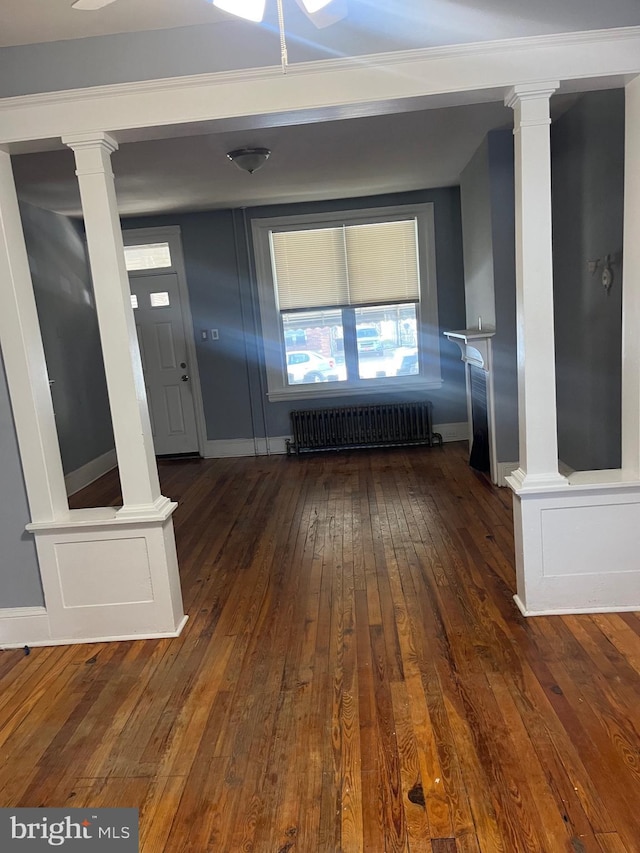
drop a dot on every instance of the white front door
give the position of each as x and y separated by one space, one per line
161 335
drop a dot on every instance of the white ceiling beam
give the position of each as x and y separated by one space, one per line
326 85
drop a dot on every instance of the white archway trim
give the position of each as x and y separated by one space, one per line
319 90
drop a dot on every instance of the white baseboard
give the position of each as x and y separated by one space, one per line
23 626
245 447
232 447
276 445
573 611
453 432
29 626
504 469
90 472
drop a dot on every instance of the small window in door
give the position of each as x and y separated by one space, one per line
160 299
149 256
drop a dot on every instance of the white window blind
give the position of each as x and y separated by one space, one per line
310 268
348 265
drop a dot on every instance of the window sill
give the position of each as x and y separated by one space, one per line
320 390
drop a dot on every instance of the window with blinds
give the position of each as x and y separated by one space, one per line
347 302
351 265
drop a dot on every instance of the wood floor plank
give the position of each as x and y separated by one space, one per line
354 677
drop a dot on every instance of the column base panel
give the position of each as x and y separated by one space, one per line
577 549
105 578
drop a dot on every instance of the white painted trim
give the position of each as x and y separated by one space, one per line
453 432
504 470
576 549
29 626
455 52
569 611
237 447
473 69
23 626
230 447
90 472
25 363
105 580
277 445
273 343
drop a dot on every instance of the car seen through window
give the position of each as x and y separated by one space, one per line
305 367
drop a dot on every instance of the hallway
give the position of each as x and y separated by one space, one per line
354 676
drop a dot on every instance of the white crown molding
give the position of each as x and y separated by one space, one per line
587 38
371 79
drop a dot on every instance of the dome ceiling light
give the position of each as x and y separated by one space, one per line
249 159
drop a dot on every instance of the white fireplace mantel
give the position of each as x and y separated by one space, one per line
475 346
475 350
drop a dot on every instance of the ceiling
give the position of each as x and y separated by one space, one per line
341 157
336 159
408 23
36 21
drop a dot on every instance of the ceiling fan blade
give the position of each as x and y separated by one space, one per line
251 10
323 13
91 5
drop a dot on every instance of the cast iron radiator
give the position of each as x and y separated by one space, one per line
362 426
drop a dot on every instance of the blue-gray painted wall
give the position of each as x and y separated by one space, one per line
488 204
222 292
19 571
505 375
477 240
588 187
69 326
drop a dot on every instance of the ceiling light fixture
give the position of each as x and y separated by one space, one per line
249 159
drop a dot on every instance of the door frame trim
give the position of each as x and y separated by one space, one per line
172 235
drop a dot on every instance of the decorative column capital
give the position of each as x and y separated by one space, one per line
91 140
529 92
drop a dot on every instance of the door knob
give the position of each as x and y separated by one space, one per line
184 377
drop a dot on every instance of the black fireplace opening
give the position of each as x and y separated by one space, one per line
479 457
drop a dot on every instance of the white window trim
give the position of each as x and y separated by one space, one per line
427 310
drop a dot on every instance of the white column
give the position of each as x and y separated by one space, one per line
631 286
123 366
534 288
25 363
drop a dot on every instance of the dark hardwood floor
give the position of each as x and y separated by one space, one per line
354 676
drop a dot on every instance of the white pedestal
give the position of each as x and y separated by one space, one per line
105 577
577 545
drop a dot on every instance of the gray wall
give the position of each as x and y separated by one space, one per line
588 175
505 379
19 572
223 296
477 240
64 298
487 192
